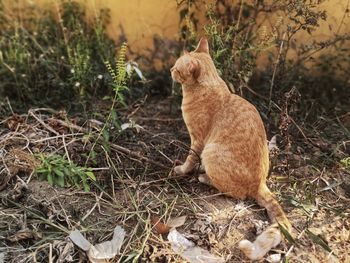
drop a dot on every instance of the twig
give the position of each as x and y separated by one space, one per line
11 135
63 210
108 159
70 125
50 253
100 169
292 247
244 85
30 177
177 177
93 208
301 131
139 105
159 119
65 149
48 127
275 68
57 137
136 155
342 19
9 104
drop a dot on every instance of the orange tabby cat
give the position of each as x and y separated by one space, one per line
228 134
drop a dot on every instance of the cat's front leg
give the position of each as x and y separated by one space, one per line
192 159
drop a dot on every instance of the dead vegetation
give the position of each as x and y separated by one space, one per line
135 189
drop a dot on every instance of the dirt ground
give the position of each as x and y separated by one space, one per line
135 187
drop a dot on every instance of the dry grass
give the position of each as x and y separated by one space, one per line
135 183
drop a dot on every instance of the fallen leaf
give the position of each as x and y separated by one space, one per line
158 226
187 249
23 235
14 121
162 228
176 222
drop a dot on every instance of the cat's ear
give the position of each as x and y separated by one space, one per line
203 46
185 52
194 68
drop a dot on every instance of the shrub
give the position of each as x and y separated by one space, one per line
49 61
238 38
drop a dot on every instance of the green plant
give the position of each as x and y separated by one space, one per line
50 61
291 87
57 170
345 163
119 76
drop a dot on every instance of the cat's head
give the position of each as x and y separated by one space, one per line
187 69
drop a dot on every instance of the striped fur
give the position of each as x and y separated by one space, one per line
228 135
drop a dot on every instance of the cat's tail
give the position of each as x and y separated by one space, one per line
271 237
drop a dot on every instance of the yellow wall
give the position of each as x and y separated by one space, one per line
141 19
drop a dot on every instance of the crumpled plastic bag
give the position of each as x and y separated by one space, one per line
189 251
101 252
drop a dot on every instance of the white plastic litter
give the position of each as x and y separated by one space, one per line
187 249
100 252
274 258
131 124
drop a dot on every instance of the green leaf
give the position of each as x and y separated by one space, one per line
331 186
86 187
50 179
93 157
318 240
66 171
60 181
91 175
286 234
58 172
41 170
114 118
105 135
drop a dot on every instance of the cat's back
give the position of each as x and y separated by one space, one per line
238 113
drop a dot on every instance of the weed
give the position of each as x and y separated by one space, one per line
119 75
44 60
119 78
57 170
345 163
290 95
